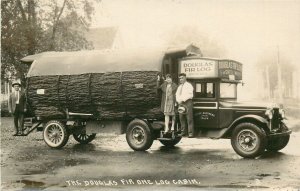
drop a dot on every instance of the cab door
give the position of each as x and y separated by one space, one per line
206 112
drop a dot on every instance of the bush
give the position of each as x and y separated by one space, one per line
4 109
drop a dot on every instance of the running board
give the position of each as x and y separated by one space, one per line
168 136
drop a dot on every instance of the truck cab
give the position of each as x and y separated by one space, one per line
252 127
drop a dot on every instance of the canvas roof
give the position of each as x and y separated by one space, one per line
97 61
68 63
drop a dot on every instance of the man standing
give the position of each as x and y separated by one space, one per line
16 106
184 96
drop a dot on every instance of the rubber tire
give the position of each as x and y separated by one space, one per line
86 141
148 140
278 143
171 143
261 145
64 131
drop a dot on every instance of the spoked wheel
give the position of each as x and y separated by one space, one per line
138 135
248 140
55 134
84 138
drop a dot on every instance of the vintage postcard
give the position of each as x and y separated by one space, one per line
150 95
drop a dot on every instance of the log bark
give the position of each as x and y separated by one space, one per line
108 96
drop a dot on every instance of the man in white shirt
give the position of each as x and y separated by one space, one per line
184 96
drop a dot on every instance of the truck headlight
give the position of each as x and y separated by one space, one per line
282 113
269 113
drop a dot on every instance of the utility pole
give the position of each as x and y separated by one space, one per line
279 77
268 89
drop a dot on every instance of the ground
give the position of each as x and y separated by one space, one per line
108 163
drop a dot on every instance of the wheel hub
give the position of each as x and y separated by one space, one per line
138 135
54 134
247 140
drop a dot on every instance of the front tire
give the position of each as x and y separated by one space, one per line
55 134
138 135
278 143
170 143
248 140
84 138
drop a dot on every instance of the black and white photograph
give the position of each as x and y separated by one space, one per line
150 95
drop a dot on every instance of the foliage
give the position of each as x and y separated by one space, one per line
34 26
191 34
268 65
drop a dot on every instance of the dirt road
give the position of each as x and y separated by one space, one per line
109 164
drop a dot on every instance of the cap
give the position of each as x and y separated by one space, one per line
182 109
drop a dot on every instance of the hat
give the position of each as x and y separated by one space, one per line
182 74
16 83
182 109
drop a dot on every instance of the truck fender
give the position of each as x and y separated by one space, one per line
141 121
233 124
155 127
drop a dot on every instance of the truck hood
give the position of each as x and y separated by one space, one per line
248 105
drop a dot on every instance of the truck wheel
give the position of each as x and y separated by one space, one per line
55 134
248 140
84 138
170 143
138 135
278 143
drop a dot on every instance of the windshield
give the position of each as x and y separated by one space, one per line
227 90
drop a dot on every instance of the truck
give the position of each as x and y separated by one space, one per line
90 92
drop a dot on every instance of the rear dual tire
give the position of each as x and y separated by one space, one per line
170 143
84 138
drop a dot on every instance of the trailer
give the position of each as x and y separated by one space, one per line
89 92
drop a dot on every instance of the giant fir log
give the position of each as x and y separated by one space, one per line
111 95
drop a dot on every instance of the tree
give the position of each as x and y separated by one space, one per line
275 68
34 26
66 23
191 34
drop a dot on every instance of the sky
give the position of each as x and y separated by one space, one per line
245 30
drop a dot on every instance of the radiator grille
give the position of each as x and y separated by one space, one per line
275 119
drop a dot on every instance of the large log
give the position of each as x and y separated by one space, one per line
111 95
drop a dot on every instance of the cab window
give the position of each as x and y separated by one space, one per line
205 90
227 90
